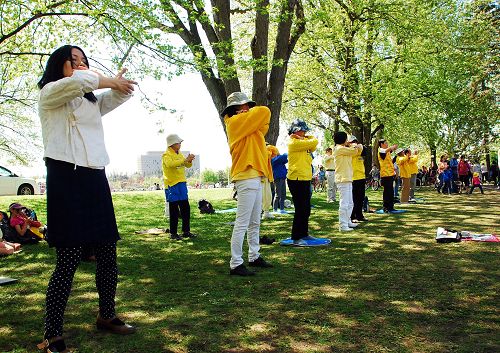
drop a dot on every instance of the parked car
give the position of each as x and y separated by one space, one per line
11 184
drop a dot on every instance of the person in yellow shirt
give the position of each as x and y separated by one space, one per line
176 193
358 183
413 168
299 178
343 152
386 173
246 125
404 174
329 164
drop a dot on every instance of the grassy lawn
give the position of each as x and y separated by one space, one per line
385 287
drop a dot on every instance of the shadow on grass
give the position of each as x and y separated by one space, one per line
385 287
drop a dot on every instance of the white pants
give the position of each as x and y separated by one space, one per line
267 196
247 220
346 204
332 187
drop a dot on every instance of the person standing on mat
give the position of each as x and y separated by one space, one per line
413 170
77 188
246 125
404 173
358 183
328 161
300 148
278 164
174 166
386 173
343 153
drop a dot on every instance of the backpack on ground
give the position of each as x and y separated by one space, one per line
205 207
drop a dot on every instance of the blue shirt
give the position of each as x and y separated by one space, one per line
279 168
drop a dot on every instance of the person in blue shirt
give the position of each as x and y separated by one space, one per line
447 180
279 171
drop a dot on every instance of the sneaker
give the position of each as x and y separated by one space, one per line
309 238
283 212
363 219
352 225
175 237
300 242
189 235
241 270
260 262
345 229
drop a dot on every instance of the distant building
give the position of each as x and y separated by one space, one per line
150 163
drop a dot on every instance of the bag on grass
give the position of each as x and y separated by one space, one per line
205 207
447 235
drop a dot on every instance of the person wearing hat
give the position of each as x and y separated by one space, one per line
300 148
176 193
386 173
358 182
404 173
343 153
22 224
246 125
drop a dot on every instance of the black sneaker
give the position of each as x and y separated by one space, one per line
189 235
175 237
260 262
241 270
266 240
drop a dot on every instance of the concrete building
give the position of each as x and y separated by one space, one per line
150 164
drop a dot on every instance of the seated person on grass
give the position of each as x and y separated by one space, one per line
7 248
27 229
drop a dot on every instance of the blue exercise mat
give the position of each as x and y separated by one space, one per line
309 242
285 213
229 210
392 212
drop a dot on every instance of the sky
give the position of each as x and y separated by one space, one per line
132 130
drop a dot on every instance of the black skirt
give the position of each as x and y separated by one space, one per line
79 207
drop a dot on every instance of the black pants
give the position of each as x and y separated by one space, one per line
388 196
479 186
301 196
59 288
358 196
183 208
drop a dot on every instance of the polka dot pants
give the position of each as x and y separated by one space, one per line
60 283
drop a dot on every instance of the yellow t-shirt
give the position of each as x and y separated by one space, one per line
300 159
245 134
386 165
343 162
358 167
173 165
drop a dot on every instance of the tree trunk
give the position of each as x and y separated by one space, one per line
259 48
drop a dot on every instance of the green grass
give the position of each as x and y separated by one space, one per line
385 287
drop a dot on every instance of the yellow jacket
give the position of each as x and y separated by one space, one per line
300 159
328 162
404 170
245 135
386 165
412 164
343 162
358 167
173 165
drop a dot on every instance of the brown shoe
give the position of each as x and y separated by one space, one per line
53 345
114 325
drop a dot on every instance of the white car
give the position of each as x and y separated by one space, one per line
11 184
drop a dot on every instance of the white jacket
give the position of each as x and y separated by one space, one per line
72 125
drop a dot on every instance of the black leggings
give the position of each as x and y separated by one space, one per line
182 207
301 196
59 288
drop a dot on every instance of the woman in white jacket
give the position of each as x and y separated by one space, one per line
77 188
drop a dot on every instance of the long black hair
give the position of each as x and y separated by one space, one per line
54 68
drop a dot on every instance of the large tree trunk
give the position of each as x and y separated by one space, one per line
259 48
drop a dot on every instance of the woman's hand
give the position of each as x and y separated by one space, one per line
122 84
117 83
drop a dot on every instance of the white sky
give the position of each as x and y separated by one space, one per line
131 130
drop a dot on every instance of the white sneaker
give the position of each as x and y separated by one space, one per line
345 229
352 225
267 215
